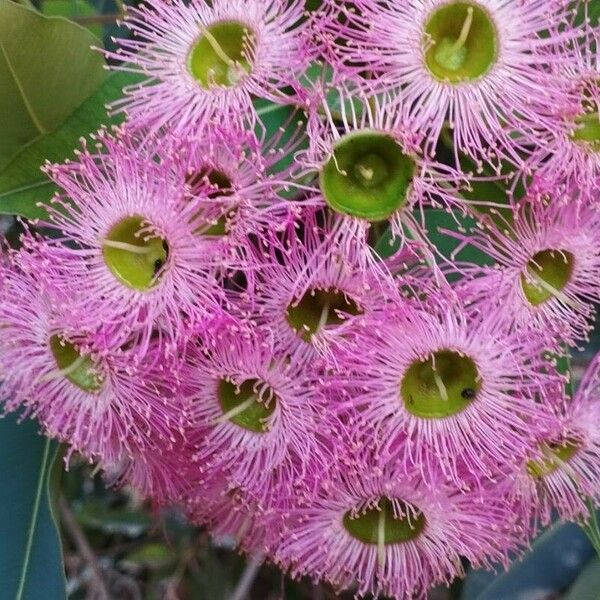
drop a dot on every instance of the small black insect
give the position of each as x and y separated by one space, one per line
158 264
468 393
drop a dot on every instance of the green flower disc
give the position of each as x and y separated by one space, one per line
139 263
562 453
368 176
365 526
465 42
549 271
84 375
441 392
587 130
254 417
220 55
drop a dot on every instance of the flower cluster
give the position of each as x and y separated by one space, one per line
336 335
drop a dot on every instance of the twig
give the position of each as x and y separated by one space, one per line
248 577
80 541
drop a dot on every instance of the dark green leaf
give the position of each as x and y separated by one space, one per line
47 69
30 546
553 564
587 586
22 184
437 219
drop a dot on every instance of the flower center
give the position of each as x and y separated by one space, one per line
441 386
221 186
587 130
368 176
379 525
548 272
219 182
222 55
243 406
79 370
462 42
134 255
555 454
317 309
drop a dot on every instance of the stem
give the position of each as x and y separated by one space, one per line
248 577
82 545
464 32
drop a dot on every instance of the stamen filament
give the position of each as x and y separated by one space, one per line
464 32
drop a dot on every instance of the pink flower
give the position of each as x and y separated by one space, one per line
440 391
205 61
313 285
80 391
572 155
370 165
255 413
383 532
487 69
563 473
133 259
547 273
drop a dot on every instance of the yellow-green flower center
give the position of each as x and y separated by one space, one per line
78 369
135 256
554 456
441 386
242 405
368 176
379 525
462 42
222 54
317 309
587 130
548 272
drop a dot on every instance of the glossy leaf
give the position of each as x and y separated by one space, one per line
47 69
22 183
553 563
30 546
587 586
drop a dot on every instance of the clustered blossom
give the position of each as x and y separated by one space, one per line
265 324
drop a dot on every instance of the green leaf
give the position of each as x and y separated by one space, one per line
22 184
74 8
553 563
587 586
436 219
30 546
122 521
47 69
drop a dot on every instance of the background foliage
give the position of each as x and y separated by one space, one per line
110 543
